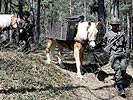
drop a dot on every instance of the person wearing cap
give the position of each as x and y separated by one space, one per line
81 18
25 31
119 53
25 19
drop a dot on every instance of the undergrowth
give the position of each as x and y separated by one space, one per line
28 77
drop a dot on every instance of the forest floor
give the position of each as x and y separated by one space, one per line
28 77
98 82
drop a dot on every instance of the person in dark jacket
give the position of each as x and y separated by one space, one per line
25 31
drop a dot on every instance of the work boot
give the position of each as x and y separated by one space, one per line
119 87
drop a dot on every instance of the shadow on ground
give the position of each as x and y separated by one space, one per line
97 70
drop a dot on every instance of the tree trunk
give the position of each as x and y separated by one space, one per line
70 7
6 12
10 31
101 18
10 8
132 26
6 6
32 17
38 21
129 23
20 5
0 5
115 8
85 9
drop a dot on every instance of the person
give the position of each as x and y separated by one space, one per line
25 31
81 18
119 54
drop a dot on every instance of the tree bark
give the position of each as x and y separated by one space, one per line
70 7
85 9
6 12
132 25
6 6
10 8
115 8
32 17
101 18
0 5
38 21
20 5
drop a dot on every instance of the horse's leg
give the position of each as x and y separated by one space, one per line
49 50
78 54
60 56
81 57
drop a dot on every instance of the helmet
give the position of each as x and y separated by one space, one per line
26 13
115 21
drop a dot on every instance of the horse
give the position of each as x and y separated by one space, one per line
85 35
8 21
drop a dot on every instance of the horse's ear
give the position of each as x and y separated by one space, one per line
97 24
17 15
89 23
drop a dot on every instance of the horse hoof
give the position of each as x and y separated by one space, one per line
62 65
81 77
48 62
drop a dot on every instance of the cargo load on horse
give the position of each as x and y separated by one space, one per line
63 29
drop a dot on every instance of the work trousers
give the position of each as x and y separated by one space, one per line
119 64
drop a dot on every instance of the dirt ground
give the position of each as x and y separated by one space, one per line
99 85
98 82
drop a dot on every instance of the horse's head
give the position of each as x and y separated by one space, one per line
14 21
87 31
92 30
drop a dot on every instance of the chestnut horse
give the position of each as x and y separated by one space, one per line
86 35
